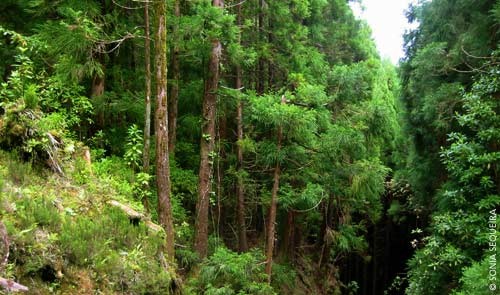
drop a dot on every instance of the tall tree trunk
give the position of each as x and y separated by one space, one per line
147 99
221 160
174 95
273 207
207 146
260 81
240 190
97 86
270 40
161 126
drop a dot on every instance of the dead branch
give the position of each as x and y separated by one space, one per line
102 45
126 7
132 214
52 151
12 286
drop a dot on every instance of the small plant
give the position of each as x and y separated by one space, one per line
133 147
141 187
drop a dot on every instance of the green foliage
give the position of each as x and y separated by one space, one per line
226 272
309 69
367 187
134 147
441 61
283 277
458 232
475 279
141 186
348 238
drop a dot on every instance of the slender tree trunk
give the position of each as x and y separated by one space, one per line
273 207
97 89
270 40
97 86
174 95
147 99
260 87
221 160
240 190
161 127
207 146
242 235
288 249
328 215
272 215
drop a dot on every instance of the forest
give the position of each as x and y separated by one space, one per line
247 147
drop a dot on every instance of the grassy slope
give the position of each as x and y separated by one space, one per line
64 237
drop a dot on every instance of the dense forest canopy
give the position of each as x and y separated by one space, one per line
247 147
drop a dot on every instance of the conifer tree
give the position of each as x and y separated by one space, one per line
161 130
207 144
147 98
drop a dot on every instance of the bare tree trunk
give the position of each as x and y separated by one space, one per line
240 209
221 160
161 126
147 100
289 239
260 87
273 207
207 146
174 96
96 90
97 87
272 216
242 235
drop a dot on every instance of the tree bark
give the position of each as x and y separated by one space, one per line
174 96
147 99
288 249
221 160
240 209
97 89
260 81
273 207
161 126
207 146
4 247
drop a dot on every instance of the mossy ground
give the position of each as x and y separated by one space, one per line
66 239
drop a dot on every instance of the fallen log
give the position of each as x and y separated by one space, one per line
12 286
134 215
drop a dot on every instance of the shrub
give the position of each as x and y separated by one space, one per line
227 272
122 255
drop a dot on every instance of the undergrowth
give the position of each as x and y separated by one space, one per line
64 237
